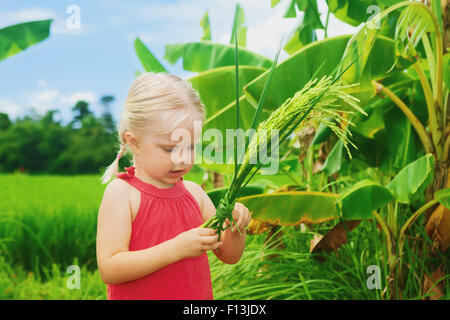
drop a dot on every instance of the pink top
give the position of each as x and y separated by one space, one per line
162 215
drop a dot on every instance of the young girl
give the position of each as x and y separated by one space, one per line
149 243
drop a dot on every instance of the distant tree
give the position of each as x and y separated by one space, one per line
106 117
5 123
81 110
40 144
19 147
106 100
48 119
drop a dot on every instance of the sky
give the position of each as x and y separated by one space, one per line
99 59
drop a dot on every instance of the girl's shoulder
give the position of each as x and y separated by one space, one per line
120 189
117 187
196 191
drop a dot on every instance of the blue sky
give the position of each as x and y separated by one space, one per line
99 58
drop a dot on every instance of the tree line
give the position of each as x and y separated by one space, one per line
42 145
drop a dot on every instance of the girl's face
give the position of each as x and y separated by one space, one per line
162 159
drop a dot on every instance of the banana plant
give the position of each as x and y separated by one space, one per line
18 37
419 24
367 197
352 12
290 76
400 112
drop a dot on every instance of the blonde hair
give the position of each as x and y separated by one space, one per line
152 99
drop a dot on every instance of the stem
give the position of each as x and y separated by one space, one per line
409 222
424 138
236 165
326 23
434 128
439 58
392 216
290 176
387 235
430 57
446 148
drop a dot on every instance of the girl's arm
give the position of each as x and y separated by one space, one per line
115 262
233 244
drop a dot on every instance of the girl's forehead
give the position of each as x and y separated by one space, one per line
181 133
171 130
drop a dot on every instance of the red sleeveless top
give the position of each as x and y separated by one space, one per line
162 215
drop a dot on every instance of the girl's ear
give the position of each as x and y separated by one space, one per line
132 142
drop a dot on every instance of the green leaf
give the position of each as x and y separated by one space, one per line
217 92
369 126
446 66
359 201
443 196
335 159
304 35
238 23
355 12
305 31
273 3
412 179
322 133
401 139
352 12
290 12
204 23
18 37
221 111
413 22
216 194
293 73
148 60
291 208
363 43
437 10
202 56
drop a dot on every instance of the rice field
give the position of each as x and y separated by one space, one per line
48 223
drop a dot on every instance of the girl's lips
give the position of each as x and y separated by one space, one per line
175 173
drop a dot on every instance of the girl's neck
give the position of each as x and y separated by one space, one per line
140 174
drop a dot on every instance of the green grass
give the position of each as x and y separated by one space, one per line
49 222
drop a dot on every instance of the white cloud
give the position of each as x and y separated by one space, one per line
41 83
44 100
51 99
11 108
73 98
179 21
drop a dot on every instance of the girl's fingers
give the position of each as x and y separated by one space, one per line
212 246
210 239
207 231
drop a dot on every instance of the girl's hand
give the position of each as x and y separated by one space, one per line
242 216
194 242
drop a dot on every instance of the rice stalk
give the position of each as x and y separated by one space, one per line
328 98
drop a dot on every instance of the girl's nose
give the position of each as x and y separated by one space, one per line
183 156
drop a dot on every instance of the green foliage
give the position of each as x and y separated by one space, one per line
43 145
18 37
149 61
